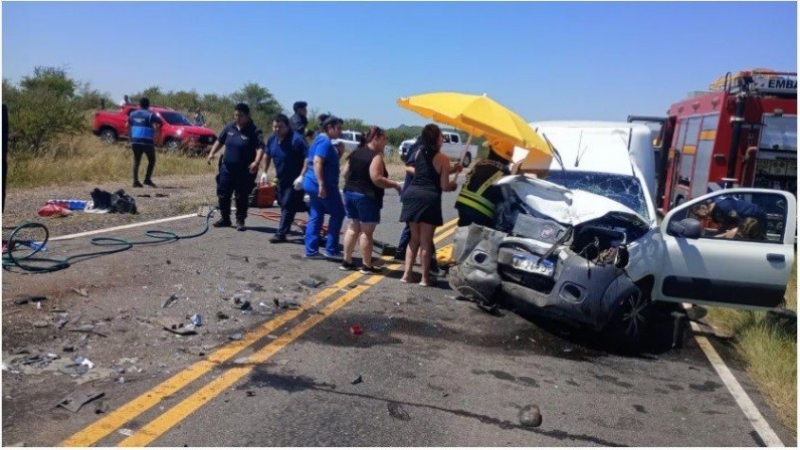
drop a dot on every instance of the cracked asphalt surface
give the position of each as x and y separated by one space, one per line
428 370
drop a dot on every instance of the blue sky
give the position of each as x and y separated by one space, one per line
544 60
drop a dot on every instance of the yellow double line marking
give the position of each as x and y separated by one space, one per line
119 417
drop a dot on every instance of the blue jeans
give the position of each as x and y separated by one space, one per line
331 205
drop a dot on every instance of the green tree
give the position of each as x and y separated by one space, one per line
263 106
51 79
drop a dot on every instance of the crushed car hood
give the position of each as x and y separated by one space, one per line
566 206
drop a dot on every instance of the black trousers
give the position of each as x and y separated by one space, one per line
150 151
234 179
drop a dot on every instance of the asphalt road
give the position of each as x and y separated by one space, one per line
428 370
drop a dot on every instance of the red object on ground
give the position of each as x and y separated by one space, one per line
356 329
53 211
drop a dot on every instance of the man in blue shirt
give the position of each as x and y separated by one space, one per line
730 213
321 182
289 151
142 124
244 149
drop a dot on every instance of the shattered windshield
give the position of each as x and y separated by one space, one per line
619 188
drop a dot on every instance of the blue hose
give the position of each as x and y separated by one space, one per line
39 264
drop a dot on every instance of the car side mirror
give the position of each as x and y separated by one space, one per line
687 228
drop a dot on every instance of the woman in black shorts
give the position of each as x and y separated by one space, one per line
422 201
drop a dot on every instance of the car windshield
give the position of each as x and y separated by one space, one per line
622 189
174 118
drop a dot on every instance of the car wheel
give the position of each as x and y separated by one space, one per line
467 159
630 321
173 146
108 136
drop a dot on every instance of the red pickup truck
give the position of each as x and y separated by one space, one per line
177 134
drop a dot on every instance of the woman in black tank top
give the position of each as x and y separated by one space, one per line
422 201
365 179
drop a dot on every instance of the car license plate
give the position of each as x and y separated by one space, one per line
530 263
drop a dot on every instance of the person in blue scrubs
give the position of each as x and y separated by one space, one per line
244 149
289 150
321 183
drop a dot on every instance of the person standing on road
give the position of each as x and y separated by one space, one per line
142 124
365 180
299 119
244 149
475 203
321 182
422 201
289 151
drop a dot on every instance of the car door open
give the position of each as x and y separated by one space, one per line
732 248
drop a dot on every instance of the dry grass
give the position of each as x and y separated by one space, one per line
769 354
84 158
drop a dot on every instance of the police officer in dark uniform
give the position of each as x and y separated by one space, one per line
142 123
478 196
289 150
244 149
299 120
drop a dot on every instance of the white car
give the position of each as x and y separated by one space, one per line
453 147
351 139
577 238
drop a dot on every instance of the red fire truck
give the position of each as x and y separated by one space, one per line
742 132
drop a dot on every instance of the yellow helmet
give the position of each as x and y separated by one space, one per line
500 148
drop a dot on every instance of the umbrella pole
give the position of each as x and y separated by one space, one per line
463 155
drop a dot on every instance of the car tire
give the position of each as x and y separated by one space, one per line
108 135
467 159
630 319
173 146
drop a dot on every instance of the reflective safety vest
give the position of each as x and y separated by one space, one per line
473 197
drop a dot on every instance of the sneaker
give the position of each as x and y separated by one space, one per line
240 225
337 256
223 222
150 183
314 256
136 184
347 266
370 270
277 239
436 271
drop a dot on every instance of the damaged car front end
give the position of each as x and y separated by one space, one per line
565 245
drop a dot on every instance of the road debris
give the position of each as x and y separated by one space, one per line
236 337
80 291
41 324
197 320
530 416
222 316
311 282
251 394
246 306
84 362
68 348
29 299
177 326
286 304
356 329
80 397
168 302
357 380
125 432
396 410
101 408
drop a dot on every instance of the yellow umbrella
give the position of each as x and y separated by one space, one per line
477 115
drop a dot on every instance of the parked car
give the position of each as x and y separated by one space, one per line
351 139
178 133
452 147
578 239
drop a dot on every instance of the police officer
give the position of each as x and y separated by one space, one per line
142 123
244 149
299 119
289 151
478 196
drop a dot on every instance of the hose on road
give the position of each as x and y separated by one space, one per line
21 254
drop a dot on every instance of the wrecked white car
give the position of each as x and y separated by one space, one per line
579 240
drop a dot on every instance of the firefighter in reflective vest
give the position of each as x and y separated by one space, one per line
478 196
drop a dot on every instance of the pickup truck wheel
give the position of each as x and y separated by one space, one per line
108 136
173 146
467 159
